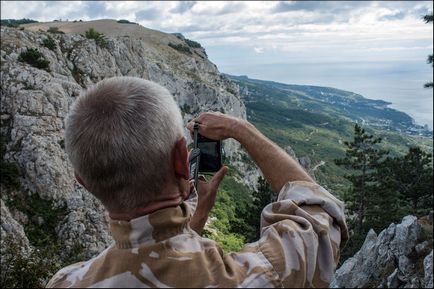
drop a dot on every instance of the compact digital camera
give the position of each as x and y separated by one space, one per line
206 156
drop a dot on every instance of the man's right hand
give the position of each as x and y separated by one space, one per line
276 165
216 125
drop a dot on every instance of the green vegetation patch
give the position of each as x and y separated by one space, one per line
124 21
236 214
30 270
99 38
186 108
35 58
180 48
41 229
16 22
34 269
192 44
55 30
9 171
49 43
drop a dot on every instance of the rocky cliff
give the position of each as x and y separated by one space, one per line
401 256
35 102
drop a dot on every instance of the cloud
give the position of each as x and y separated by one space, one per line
297 28
42 11
397 15
217 8
147 14
319 6
95 9
183 7
284 6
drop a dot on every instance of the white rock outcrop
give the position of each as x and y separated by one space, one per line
35 103
396 258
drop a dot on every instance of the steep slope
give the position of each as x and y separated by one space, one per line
35 102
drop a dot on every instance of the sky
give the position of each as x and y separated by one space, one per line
377 49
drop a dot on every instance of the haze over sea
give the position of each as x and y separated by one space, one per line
374 48
400 83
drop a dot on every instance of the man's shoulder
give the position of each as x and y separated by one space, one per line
160 263
62 277
69 275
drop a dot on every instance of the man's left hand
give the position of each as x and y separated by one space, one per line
207 192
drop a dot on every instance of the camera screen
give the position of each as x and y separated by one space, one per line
209 156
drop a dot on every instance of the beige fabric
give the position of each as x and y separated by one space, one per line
299 247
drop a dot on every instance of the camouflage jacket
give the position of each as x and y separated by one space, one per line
301 234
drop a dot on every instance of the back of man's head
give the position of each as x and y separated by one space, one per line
119 137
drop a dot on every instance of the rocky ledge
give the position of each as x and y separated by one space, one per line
401 256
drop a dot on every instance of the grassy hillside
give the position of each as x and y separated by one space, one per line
315 121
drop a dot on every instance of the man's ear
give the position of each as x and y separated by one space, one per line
79 180
180 159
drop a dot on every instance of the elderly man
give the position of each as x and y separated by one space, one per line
124 137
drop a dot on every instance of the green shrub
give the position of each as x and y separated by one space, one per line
40 235
35 58
49 43
13 25
16 22
186 108
55 30
30 270
180 48
47 257
62 143
124 21
9 175
192 44
231 90
97 36
8 171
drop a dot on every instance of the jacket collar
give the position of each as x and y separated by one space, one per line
158 226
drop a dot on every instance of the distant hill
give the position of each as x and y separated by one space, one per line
315 121
16 22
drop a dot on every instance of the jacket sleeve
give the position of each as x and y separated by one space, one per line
301 235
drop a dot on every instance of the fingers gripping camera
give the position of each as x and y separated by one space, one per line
206 156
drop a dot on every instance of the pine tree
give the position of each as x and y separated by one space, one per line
263 196
412 176
363 157
429 18
390 206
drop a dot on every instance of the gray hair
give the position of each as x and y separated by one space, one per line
119 137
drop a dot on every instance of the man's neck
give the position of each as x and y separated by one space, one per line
145 210
173 195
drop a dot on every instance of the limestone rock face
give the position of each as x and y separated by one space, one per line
393 259
36 101
12 230
427 265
